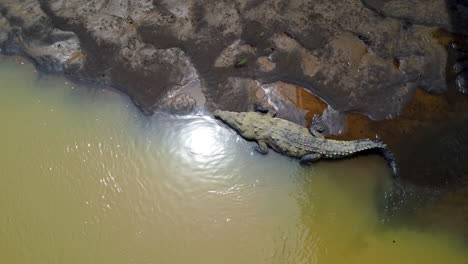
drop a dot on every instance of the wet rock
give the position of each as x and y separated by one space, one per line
291 102
148 74
460 67
62 55
334 121
319 125
462 82
52 50
235 94
4 33
183 100
181 104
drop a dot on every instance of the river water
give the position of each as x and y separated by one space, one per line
86 178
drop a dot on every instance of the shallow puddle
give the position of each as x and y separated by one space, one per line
86 178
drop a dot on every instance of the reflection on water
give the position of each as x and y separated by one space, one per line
203 141
85 178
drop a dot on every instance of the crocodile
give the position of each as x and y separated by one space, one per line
296 141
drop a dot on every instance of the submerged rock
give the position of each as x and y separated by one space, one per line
462 82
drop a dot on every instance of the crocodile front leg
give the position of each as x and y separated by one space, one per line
272 112
266 110
310 158
262 148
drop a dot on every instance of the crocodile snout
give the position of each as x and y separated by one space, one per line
232 119
217 113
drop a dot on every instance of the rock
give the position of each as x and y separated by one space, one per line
229 55
5 26
460 66
147 74
462 82
181 104
424 12
235 94
334 121
62 55
291 102
364 56
52 50
319 125
265 64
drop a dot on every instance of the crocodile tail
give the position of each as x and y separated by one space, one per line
384 151
391 160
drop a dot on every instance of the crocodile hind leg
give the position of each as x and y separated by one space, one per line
262 148
315 133
310 158
317 127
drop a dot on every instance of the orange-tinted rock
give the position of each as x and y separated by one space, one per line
292 102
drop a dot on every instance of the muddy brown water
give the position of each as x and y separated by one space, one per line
86 178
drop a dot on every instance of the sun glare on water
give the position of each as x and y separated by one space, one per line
204 140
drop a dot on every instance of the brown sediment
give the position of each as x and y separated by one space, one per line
454 204
423 111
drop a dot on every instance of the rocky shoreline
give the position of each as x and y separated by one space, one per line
364 56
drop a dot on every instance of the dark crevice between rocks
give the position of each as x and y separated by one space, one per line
371 7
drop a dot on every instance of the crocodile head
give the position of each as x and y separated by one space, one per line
237 121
